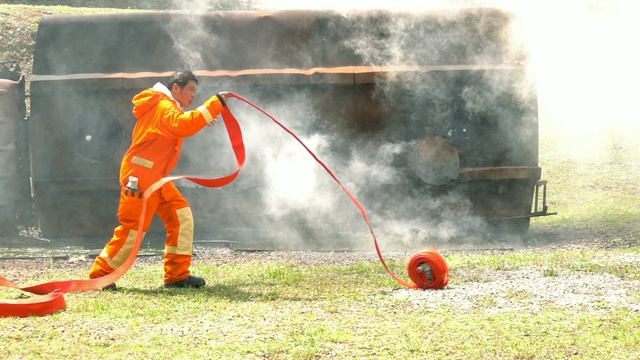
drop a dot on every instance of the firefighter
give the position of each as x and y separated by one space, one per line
162 124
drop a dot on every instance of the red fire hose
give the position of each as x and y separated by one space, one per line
427 269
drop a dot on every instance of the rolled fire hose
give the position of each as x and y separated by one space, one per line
427 269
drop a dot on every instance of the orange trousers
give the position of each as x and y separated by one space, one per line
176 214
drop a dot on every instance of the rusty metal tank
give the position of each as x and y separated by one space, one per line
365 79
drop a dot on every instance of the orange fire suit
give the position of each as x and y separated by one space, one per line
156 144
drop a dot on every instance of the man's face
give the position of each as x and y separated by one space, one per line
184 95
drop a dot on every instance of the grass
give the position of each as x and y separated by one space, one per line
19 25
601 192
279 311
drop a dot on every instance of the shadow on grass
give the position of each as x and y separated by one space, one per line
234 293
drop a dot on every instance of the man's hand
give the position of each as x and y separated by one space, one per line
223 95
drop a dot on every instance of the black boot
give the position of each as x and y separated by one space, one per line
111 287
191 281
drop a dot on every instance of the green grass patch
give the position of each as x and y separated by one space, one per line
600 193
279 311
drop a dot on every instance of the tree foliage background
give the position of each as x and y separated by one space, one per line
202 5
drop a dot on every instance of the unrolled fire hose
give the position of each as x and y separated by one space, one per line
427 269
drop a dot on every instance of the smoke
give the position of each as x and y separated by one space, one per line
579 56
294 179
282 193
582 59
293 203
584 63
363 4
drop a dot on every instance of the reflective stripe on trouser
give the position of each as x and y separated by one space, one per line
176 214
174 211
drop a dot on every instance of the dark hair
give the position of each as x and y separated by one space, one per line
181 78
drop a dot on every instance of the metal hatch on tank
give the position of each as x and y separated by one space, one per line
366 80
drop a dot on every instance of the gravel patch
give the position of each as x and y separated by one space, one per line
531 291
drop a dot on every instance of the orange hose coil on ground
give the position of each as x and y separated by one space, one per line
439 277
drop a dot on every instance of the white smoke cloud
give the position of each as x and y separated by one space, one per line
294 179
360 4
581 58
584 61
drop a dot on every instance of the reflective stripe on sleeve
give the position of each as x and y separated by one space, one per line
205 112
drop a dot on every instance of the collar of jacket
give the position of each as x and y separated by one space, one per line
163 89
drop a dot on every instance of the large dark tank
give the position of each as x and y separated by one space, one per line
445 90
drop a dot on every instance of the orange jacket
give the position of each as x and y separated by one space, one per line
158 135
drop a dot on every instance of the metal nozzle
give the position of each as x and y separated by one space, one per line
133 183
426 269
